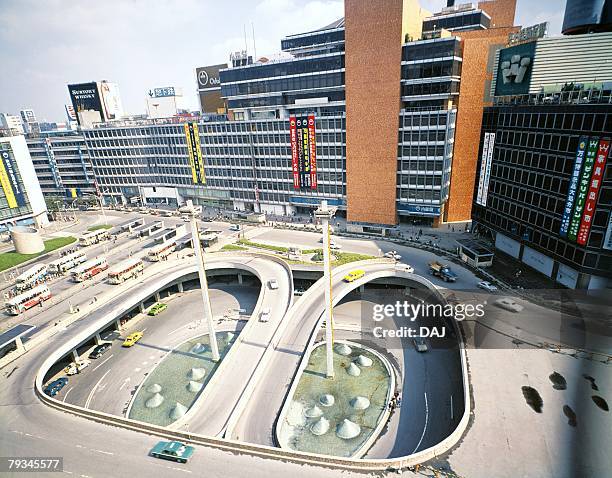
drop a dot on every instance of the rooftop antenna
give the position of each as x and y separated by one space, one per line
254 47
246 47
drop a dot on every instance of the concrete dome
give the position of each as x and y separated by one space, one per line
155 388
327 400
353 370
194 386
178 411
313 412
360 403
364 361
196 374
155 401
320 427
198 348
347 430
343 349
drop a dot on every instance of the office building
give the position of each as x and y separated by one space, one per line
28 119
21 199
544 192
377 117
62 165
11 124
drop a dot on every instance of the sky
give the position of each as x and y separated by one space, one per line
145 44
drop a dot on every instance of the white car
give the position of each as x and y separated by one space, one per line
75 368
273 284
508 304
393 255
405 268
419 344
234 227
486 285
264 316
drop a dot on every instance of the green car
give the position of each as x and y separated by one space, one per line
172 450
158 308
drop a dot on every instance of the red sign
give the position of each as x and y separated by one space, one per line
294 152
313 151
594 186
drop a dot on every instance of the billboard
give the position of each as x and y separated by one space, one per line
488 146
514 69
302 135
583 187
52 163
15 195
607 244
208 77
573 185
594 186
111 100
195 152
70 113
86 96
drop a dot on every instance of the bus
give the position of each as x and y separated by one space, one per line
63 264
126 270
26 300
162 251
94 237
31 277
89 269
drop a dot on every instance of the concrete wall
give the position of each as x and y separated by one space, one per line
27 240
373 35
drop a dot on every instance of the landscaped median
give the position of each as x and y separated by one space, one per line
12 259
98 227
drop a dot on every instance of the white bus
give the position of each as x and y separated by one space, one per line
94 237
126 270
24 301
162 251
31 277
63 264
89 269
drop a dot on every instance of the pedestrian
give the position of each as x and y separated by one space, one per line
399 402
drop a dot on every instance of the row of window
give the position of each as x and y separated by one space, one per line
434 88
431 69
309 40
325 80
553 118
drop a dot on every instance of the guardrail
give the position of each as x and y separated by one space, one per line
253 449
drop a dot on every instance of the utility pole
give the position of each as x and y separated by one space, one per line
197 247
324 214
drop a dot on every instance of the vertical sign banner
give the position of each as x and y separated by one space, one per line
312 141
583 187
8 179
195 153
485 186
595 185
294 152
483 166
303 124
573 186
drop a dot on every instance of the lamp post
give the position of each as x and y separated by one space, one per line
197 247
324 214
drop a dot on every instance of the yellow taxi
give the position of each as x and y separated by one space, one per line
354 275
132 339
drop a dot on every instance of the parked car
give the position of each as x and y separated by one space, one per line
158 308
273 284
334 247
76 367
172 450
132 339
508 304
264 316
419 344
100 350
354 275
56 386
393 255
486 285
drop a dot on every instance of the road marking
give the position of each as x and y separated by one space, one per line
178 469
452 414
68 472
143 329
105 452
106 360
145 363
93 390
66 396
137 369
124 383
176 330
425 427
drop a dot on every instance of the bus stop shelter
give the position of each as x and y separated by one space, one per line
475 252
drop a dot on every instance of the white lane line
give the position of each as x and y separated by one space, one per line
68 472
93 390
425 427
452 412
106 360
178 469
143 329
105 452
66 396
125 382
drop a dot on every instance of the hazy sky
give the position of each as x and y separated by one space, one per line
143 44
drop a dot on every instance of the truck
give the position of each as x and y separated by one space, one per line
442 271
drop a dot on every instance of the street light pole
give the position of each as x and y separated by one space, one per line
324 214
197 247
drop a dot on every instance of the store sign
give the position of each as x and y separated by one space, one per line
514 69
85 97
419 209
485 169
208 76
526 34
15 195
583 188
162 92
573 186
302 136
195 153
594 186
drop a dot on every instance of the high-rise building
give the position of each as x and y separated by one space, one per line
28 119
544 192
11 124
21 199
